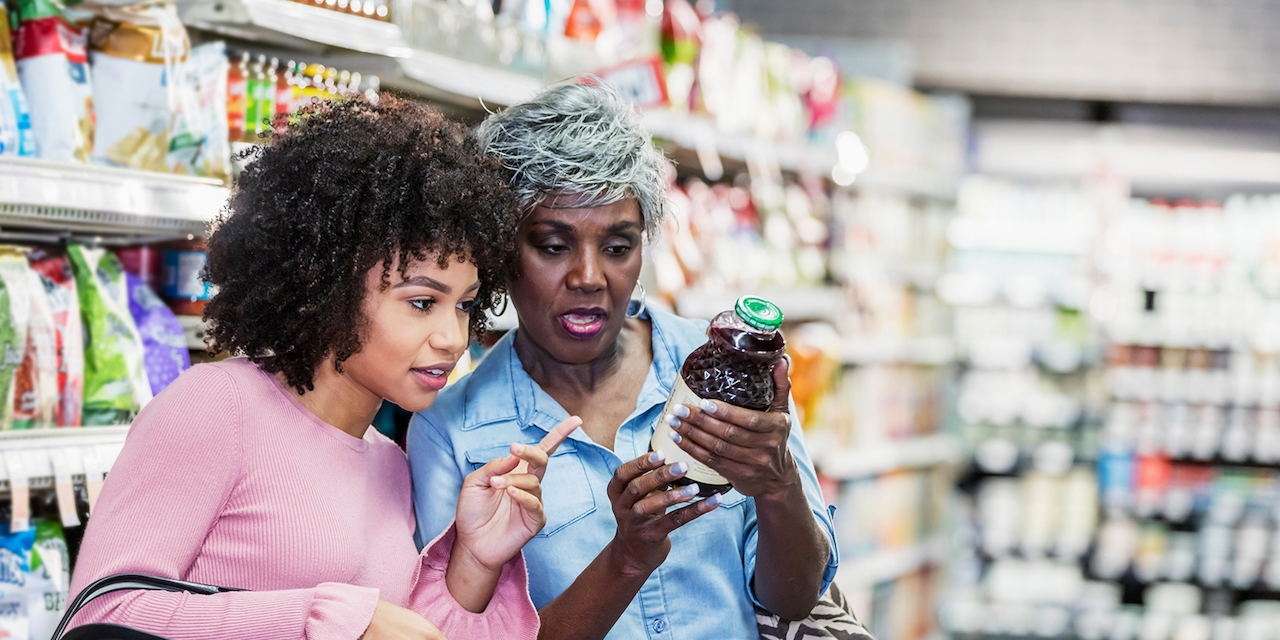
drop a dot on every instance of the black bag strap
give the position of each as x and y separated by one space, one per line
122 581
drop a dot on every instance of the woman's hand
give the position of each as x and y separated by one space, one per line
747 447
640 506
500 506
397 623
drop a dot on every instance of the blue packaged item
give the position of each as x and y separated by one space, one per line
15 565
165 354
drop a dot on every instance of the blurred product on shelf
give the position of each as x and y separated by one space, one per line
375 9
199 137
64 302
16 138
54 69
164 345
116 386
181 284
136 53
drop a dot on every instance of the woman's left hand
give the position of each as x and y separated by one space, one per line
747 447
500 506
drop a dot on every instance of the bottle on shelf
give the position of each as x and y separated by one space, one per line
237 97
735 366
284 90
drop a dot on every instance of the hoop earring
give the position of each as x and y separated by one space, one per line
636 307
506 302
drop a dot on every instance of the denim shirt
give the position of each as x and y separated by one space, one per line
703 590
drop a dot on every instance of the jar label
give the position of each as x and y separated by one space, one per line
698 472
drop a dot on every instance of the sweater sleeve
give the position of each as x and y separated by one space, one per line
509 616
181 463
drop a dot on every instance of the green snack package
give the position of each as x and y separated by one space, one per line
15 315
115 384
49 581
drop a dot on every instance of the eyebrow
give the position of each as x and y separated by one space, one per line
432 283
617 227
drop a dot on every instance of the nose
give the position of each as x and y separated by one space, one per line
450 336
586 274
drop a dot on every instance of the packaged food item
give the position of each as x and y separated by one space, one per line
15 307
54 70
735 366
49 579
198 144
163 343
115 385
181 285
15 550
35 393
15 119
138 54
64 304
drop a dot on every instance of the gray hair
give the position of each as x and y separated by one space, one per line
580 139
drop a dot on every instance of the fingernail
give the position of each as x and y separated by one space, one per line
681 411
656 457
708 406
675 437
673 421
679 469
689 490
714 500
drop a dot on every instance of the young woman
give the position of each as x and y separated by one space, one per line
617 558
358 248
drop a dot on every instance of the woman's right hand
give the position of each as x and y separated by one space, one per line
391 622
640 506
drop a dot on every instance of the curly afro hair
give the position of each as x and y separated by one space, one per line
342 188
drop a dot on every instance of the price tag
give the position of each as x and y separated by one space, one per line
640 81
19 491
93 472
64 491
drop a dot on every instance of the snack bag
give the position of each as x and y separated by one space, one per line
15 551
164 345
115 386
49 579
35 395
199 144
16 310
137 54
15 119
54 70
60 288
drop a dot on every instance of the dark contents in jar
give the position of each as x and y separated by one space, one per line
735 366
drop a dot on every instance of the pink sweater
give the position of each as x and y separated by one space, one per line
227 479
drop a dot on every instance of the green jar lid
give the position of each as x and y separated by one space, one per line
759 313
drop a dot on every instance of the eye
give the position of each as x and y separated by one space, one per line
466 306
553 249
423 304
618 250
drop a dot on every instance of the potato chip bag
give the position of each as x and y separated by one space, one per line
138 55
115 385
198 144
15 318
35 395
54 70
60 288
164 345
15 563
49 578
15 119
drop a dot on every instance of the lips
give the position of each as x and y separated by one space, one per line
583 323
433 376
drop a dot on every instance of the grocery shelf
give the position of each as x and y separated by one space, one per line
697 132
924 350
467 83
884 457
798 304
42 453
193 332
92 199
888 564
295 25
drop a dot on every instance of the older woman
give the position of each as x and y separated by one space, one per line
616 558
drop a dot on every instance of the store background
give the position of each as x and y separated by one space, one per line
1029 251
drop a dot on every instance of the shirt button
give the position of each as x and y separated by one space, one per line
659 625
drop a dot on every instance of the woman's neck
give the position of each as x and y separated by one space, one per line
338 400
580 379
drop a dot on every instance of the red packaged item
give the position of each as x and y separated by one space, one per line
64 305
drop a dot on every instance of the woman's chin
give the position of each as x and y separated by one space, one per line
415 402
